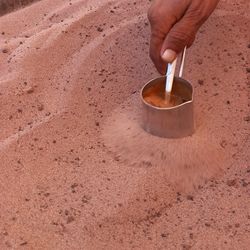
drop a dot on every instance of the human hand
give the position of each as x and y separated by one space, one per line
174 24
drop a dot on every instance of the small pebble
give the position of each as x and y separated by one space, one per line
30 90
199 61
231 183
190 198
40 107
5 51
70 219
200 82
247 118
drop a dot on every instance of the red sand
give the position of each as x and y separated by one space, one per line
65 67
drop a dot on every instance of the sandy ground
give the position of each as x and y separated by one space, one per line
7 6
66 68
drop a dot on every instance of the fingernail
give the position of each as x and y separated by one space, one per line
169 55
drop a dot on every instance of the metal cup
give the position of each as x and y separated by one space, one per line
172 122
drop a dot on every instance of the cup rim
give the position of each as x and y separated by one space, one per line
167 108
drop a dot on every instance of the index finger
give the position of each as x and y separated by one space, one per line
155 53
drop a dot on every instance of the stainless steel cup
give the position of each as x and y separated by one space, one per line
173 122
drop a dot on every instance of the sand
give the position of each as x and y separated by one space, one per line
66 68
7 6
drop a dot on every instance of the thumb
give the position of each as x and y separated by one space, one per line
181 35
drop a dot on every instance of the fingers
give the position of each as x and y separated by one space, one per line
168 55
164 48
161 22
181 35
155 53
174 25
183 32
156 42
